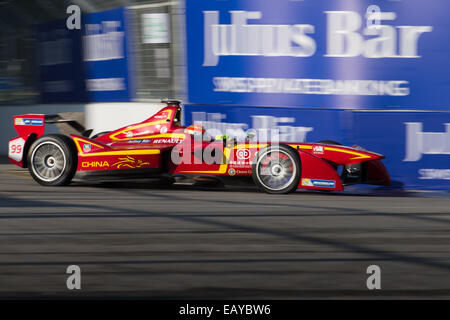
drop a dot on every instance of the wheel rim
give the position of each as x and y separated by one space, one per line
276 170
48 161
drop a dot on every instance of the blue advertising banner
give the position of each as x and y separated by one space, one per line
106 56
367 54
60 63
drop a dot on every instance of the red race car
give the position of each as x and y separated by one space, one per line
161 147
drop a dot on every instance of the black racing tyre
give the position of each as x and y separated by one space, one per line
330 142
276 169
52 160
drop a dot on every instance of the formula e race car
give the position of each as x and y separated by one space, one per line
160 146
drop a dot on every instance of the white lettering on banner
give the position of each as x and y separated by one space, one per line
106 84
343 37
312 86
266 128
419 143
103 41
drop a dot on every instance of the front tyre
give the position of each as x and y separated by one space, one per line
52 160
276 169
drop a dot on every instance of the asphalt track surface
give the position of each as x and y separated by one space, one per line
135 240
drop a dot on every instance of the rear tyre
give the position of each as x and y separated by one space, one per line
52 160
276 169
